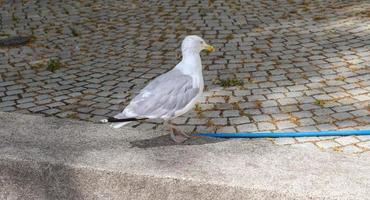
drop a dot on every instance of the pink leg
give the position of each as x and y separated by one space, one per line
177 135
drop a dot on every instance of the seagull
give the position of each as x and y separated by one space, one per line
171 94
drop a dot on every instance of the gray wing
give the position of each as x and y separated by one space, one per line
162 97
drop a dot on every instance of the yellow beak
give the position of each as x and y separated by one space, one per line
209 48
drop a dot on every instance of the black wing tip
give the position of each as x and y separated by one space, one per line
113 119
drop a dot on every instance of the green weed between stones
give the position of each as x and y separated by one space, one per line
229 36
53 65
15 19
319 18
74 32
72 116
320 102
230 82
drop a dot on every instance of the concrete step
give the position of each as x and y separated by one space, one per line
51 158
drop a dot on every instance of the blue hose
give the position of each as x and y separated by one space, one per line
286 134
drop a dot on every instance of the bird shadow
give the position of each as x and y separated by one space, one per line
164 140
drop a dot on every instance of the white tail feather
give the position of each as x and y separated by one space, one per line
118 125
104 121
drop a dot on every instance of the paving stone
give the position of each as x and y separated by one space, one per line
247 128
223 106
347 140
344 108
8 109
360 113
230 113
271 110
280 116
55 104
363 137
206 106
219 121
365 119
347 123
326 127
324 119
308 106
51 111
85 109
197 121
289 109
342 116
6 83
256 98
302 114
14 92
211 114
26 105
25 100
242 93
323 111
365 145
7 104
306 122
285 124
297 88
115 101
239 120
294 94
307 128
9 98
261 118
205 129
216 100
38 108
269 103
100 112
263 126
327 144
275 96
101 105
351 149
287 101
226 129
42 97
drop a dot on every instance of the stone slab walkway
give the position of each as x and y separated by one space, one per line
279 65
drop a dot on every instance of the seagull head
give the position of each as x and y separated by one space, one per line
195 44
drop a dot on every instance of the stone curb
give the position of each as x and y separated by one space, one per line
50 158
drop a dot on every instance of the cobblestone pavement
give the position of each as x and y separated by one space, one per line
279 65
